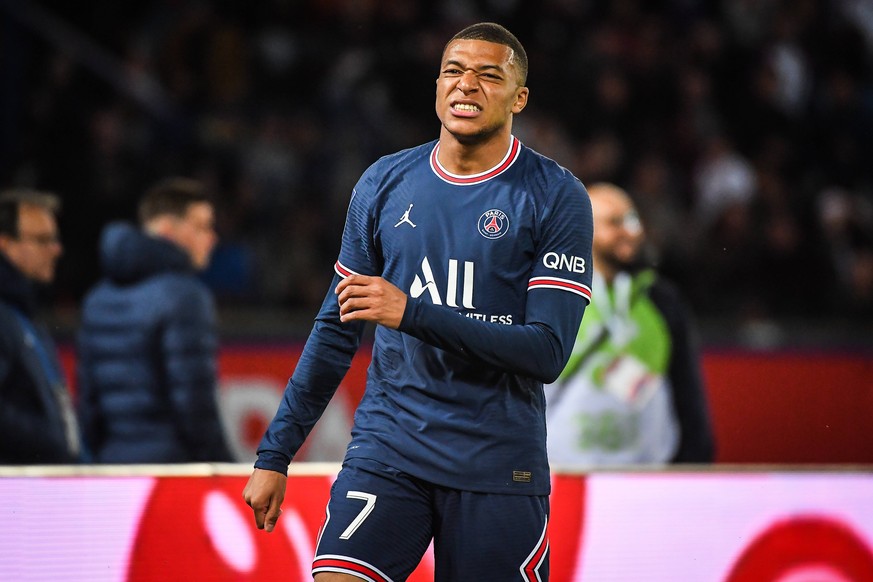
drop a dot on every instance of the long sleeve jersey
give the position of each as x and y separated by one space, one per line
496 267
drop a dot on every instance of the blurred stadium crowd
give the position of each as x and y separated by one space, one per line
743 128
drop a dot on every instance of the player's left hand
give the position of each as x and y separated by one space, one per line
370 299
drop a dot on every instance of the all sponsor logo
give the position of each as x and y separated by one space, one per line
428 284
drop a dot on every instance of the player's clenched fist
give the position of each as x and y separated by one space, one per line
264 493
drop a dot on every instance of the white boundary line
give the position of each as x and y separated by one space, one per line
169 470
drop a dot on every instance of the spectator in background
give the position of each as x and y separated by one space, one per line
846 220
147 342
632 390
37 421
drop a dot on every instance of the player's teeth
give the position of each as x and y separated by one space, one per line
466 107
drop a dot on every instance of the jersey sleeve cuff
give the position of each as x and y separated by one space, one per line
560 284
407 322
273 461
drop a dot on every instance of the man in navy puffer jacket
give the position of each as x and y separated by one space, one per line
147 342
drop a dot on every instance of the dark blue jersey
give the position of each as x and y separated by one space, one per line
497 270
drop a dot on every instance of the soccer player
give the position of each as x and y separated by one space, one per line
471 254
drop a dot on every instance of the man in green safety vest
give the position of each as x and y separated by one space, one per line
632 391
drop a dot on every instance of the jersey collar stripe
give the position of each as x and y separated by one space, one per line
343 271
531 566
348 566
555 283
510 157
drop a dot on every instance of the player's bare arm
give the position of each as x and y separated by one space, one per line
264 493
373 299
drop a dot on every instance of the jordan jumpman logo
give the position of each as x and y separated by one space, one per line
405 218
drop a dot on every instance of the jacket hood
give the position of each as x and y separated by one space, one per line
16 289
128 255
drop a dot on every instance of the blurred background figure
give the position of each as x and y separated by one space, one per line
147 342
632 392
37 421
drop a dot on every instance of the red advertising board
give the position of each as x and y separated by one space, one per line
791 407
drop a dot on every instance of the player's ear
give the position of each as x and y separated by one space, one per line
521 95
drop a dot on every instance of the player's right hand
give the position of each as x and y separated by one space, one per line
366 298
264 493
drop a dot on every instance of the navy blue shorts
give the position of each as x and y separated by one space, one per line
380 522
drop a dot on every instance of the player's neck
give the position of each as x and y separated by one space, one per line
465 158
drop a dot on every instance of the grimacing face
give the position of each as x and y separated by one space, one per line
36 250
478 90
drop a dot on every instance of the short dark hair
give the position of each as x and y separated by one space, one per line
12 200
171 196
493 32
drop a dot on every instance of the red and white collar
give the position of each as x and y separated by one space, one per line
468 180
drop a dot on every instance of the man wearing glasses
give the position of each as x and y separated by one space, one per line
37 421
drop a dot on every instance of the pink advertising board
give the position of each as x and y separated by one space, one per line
145 523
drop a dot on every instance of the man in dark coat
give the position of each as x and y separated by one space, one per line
37 422
147 340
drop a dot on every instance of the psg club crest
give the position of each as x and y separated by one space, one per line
493 224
